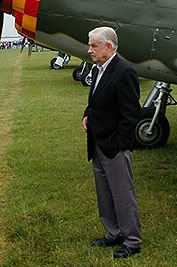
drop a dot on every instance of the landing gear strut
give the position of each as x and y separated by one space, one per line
83 74
153 129
58 62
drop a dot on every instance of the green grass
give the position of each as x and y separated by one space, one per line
6 69
50 215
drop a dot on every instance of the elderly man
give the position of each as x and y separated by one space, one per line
109 122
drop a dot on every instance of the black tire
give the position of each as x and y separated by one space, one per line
85 79
77 73
160 132
53 65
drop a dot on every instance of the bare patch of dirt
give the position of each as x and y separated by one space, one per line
6 121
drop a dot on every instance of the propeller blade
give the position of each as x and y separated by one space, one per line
1 23
23 43
30 47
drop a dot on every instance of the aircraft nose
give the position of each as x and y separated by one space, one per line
25 13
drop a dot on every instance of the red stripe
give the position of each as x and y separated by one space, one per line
18 18
29 34
31 8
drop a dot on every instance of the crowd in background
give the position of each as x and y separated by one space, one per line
10 44
20 44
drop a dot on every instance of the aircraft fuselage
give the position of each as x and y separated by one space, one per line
147 29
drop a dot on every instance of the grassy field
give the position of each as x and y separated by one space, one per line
48 201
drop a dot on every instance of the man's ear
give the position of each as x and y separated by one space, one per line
109 46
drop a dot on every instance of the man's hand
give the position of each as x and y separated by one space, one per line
84 124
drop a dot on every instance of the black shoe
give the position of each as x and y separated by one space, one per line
104 242
125 252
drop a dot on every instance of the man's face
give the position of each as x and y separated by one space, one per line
98 51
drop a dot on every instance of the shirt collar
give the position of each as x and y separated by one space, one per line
104 66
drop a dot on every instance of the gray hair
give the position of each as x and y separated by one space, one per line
106 35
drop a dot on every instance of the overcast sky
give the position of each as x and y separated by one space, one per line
9 26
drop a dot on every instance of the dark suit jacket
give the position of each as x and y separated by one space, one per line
113 110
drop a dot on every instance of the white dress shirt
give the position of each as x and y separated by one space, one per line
101 70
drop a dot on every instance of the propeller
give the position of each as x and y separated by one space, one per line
5 7
1 20
30 46
1 23
23 43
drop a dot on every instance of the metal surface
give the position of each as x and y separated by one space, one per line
147 29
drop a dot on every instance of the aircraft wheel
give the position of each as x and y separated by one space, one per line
160 132
86 79
77 72
53 65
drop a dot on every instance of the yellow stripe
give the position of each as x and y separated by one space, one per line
18 27
29 23
18 5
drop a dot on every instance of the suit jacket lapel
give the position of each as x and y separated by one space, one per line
106 77
94 76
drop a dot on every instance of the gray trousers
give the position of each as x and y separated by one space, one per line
116 196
